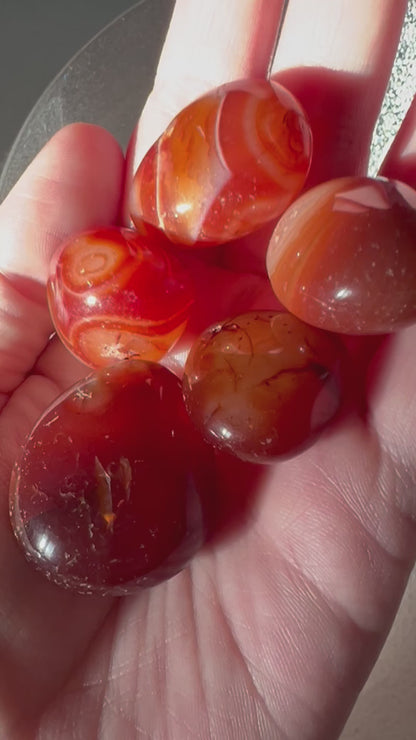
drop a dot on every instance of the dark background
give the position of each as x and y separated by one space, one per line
37 38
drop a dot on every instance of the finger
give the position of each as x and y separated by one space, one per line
73 184
394 387
336 58
337 64
400 162
207 44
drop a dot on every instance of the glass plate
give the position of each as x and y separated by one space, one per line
99 85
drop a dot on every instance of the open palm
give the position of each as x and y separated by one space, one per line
272 629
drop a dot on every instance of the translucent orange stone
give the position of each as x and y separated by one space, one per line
228 163
112 489
115 294
263 384
343 257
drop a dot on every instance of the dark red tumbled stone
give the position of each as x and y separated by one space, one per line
110 491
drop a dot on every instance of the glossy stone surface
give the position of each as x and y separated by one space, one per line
111 489
115 294
228 163
343 256
263 384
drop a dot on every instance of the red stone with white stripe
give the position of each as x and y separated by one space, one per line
229 162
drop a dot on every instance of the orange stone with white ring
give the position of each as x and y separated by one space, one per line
115 294
228 163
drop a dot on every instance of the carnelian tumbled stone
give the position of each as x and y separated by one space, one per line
343 257
263 384
115 294
228 163
109 494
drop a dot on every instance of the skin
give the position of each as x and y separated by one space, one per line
273 629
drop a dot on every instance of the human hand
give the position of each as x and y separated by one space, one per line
271 631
